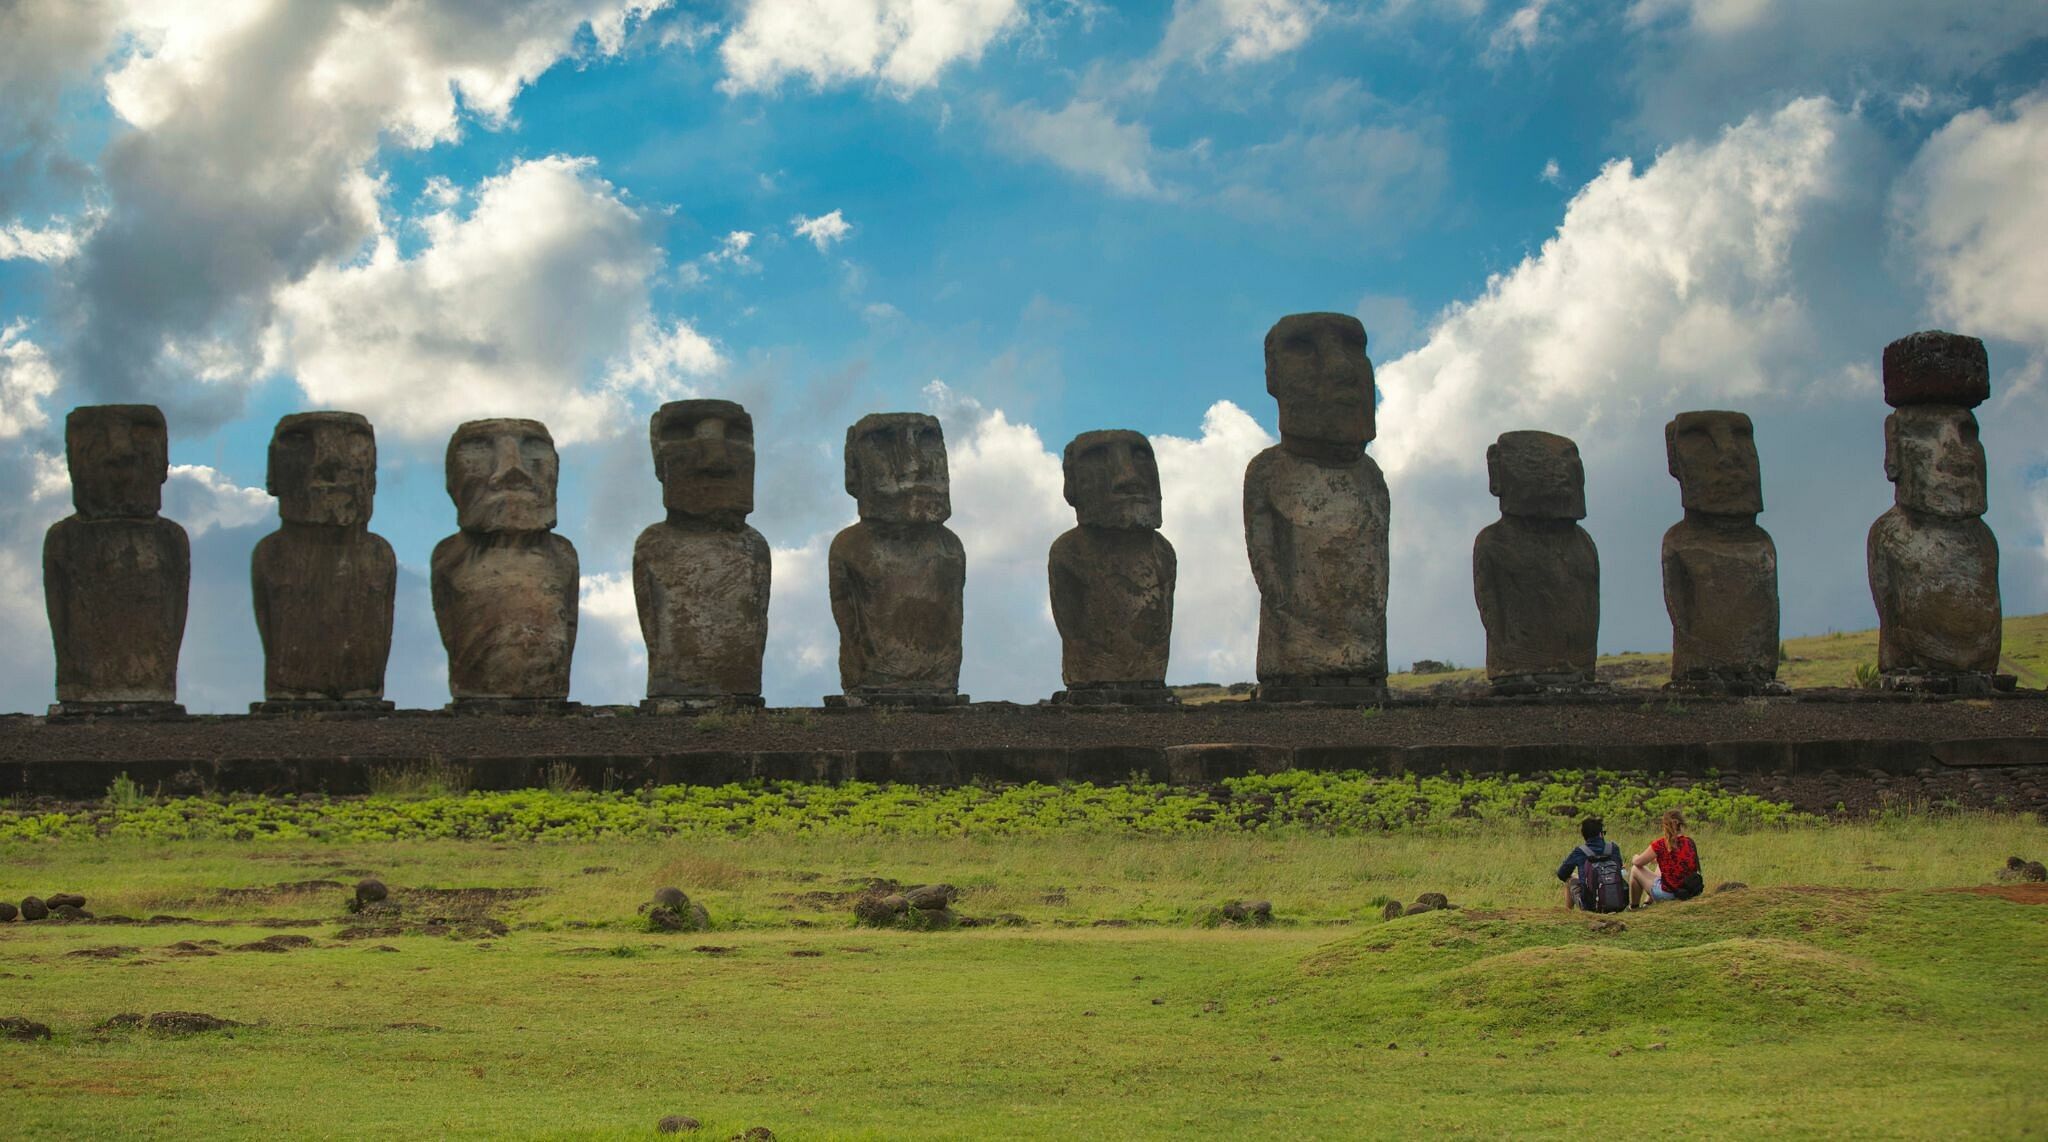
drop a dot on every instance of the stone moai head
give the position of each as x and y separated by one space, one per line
1537 475
1316 368
896 468
119 456
323 468
501 475
1112 480
1713 455
704 458
1931 450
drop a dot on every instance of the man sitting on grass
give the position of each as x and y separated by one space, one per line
1592 872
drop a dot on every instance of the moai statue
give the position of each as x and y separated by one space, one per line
115 573
700 577
1535 572
1720 568
323 583
1315 520
897 576
1933 562
505 585
1112 577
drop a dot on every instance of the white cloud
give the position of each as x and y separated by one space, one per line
1973 208
1086 138
1365 176
823 231
1552 174
903 44
26 378
1236 31
1216 605
606 606
251 130
535 304
202 499
48 245
1523 30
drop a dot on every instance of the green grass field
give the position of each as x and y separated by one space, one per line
1814 662
1847 992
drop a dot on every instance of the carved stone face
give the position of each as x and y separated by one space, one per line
1113 480
1713 454
896 468
1317 370
1537 475
323 468
704 458
1932 453
119 456
501 475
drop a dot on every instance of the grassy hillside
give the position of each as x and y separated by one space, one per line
1882 1005
1822 660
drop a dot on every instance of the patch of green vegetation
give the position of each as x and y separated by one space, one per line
422 806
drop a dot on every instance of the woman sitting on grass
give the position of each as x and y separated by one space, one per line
1678 866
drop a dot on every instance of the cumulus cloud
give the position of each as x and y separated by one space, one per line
26 378
1523 30
203 499
243 162
49 245
534 304
1234 31
823 231
1973 209
902 44
1086 138
1703 63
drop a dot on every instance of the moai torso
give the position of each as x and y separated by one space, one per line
701 577
898 576
324 586
505 586
115 574
1720 568
1315 511
1535 572
1933 562
1112 577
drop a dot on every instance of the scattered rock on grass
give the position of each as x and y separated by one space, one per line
671 898
68 913
1730 886
110 952
931 897
755 1134
33 908
1417 909
2020 868
22 1030
1393 910
370 890
1248 912
1434 900
278 943
8 912
186 1023
1609 927
676 1124
126 1021
876 909
58 900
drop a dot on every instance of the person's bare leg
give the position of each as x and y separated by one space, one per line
1571 898
1638 886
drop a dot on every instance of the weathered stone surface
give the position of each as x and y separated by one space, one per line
1315 518
1934 367
1933 562
115 574
1720 568
701 577
505 586
1112 577
323 583
897 577
1536 573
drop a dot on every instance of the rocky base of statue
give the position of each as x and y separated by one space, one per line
1961 683
692 704
1708 683
857 699
142 711
1328 690
288 707
1572 683
513 707
1117 694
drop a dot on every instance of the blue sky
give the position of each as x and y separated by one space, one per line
1034 219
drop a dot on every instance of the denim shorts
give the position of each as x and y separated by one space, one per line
1659 892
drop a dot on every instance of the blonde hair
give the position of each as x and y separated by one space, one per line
1674 826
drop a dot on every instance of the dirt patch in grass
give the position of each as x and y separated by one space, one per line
2017 893
110 952
269 893
275 944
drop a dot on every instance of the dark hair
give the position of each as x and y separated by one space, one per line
1592 827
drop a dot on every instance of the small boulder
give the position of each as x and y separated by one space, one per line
22 1030
1730 886
879 911
931 897
1392 911
126 1021
676 1124
68 913
666 920
33 908
58 900
186 1023
755 1134
671 898
371 891
2016 863
2035 871
1434 900
8 912
1417 909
